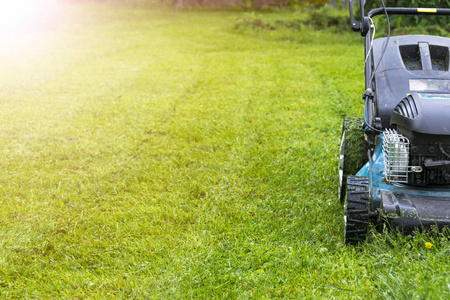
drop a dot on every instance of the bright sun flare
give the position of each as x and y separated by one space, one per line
21 16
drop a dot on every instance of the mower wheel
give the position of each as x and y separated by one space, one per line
353 152
356 213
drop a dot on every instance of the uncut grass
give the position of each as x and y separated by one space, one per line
153 153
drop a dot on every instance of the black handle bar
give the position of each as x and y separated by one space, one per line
409 11
363 26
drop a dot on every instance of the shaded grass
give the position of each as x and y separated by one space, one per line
157 154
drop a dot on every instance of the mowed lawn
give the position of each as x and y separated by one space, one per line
158 154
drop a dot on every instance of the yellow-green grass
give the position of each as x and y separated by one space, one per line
151 154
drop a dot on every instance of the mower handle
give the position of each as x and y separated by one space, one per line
358 25
409 11
363 26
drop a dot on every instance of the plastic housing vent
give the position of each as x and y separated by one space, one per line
407 108
423 56
439 58
411 57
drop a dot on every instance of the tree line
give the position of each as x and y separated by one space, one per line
228 3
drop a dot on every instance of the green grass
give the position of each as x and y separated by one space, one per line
152 154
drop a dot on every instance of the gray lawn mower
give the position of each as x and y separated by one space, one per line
394 163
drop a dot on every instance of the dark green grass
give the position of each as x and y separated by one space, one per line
161 154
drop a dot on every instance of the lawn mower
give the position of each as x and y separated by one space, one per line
394 162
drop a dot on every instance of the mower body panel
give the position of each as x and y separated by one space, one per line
408 64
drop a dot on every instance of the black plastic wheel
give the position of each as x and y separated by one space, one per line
356 209
353 152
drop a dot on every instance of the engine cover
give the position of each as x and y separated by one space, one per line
424 118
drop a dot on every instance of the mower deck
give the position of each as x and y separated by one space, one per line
408 211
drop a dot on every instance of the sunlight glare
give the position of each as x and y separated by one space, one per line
18 17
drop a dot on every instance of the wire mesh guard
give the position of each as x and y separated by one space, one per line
396 156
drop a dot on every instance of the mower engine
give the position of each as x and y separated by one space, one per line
418 153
